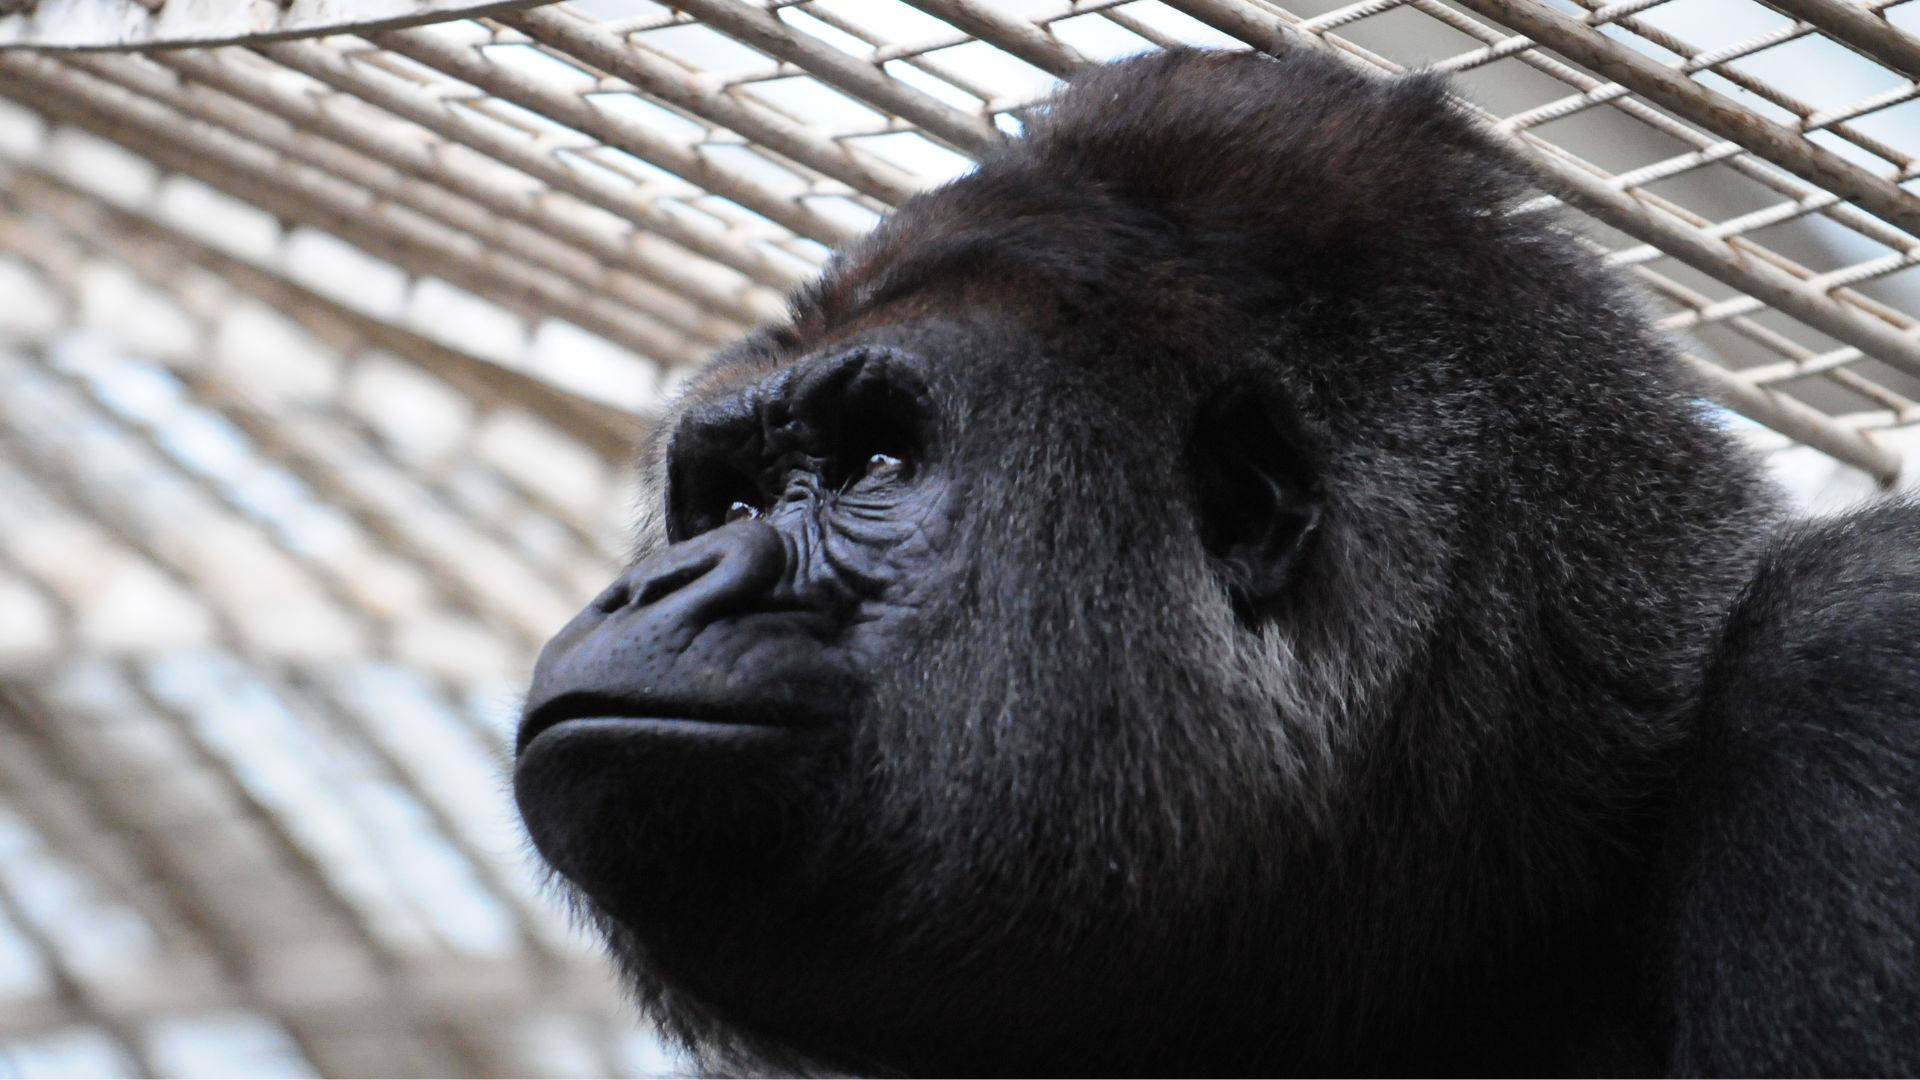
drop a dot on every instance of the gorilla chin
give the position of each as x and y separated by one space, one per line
618 805
620 792
1215 590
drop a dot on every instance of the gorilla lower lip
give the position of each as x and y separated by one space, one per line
656 726
608 713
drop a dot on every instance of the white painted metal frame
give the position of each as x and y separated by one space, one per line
521 132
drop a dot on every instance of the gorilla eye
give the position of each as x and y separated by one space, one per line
885 466
710 459
741 511
876 432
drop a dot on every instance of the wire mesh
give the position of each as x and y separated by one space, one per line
328 353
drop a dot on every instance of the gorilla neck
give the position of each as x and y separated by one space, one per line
1495 825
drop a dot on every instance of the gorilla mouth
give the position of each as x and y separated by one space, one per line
658 716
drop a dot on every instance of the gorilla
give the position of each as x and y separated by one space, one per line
1214 590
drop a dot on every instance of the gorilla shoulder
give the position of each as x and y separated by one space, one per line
1796 856
1214 591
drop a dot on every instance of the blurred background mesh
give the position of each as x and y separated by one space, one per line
326 346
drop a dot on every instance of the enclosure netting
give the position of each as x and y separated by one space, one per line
324 348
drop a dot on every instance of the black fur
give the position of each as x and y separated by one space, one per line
1229 597
1795 939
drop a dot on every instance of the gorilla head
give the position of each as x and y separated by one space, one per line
1211 590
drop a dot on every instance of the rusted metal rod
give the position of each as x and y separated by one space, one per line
1858 28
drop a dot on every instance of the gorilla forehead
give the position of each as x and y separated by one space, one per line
1173 178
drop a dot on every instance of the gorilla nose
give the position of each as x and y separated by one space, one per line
623 650
705 575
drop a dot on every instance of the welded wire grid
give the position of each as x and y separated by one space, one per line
322 361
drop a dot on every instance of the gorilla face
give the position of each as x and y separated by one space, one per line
913 687
1153 609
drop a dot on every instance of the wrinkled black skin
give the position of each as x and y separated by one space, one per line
1315 629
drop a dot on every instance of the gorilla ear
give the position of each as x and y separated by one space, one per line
1257 495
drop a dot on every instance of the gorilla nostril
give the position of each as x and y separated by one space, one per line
675 579
704 576
638 590
612 599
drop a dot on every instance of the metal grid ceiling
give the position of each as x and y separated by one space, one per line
321 361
